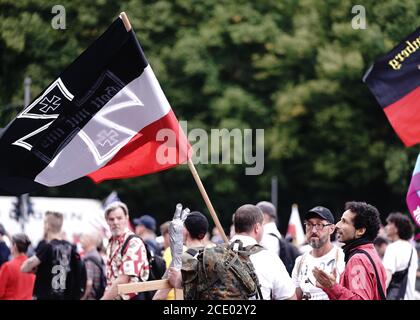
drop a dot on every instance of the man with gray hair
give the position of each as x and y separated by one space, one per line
126 253
271 235
95 266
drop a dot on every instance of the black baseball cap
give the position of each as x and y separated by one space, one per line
322 212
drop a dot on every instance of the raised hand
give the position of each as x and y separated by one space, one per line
323 279
176 238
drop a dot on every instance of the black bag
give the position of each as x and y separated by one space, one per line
157 267
398 285
99 292
77 276
288 253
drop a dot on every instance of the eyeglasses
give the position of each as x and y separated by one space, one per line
318 226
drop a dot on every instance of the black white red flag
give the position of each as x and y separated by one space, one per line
105 117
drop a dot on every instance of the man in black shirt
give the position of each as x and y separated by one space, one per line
52 262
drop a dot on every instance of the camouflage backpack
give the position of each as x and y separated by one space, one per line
223 272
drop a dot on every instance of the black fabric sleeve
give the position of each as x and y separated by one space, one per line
43 251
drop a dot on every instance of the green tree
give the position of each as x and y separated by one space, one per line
293 68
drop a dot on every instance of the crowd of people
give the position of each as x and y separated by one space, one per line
354 258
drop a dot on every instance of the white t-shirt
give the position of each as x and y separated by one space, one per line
396 258
275 282
269 241
303 277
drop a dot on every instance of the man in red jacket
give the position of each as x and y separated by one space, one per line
14 284
364 277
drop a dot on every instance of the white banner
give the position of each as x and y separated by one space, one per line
80 215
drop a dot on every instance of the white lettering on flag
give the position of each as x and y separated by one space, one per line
136 106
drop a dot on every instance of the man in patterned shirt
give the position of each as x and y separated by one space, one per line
126 254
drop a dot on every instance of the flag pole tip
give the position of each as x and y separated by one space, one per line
125 20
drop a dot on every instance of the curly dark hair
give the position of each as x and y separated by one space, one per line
366 216
403 224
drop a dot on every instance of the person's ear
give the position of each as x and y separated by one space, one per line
360 232
259 226
256 228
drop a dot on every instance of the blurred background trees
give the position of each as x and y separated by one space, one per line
293 68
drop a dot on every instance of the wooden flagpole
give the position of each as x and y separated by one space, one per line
164 283
125 20
149 286
197 179
206 199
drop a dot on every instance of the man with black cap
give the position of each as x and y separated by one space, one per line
319 225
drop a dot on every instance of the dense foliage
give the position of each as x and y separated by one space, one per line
293 68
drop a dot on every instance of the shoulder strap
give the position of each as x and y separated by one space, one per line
282 244
98 263
301 263
247 251
380 289
192 252
409 261
274 235
255 248
124 246
281 241
337 253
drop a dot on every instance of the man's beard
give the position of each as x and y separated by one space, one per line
317 243
116 232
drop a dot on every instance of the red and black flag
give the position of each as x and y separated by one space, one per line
105 117
394 79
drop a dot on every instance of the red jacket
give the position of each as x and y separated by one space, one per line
358 281
14 284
